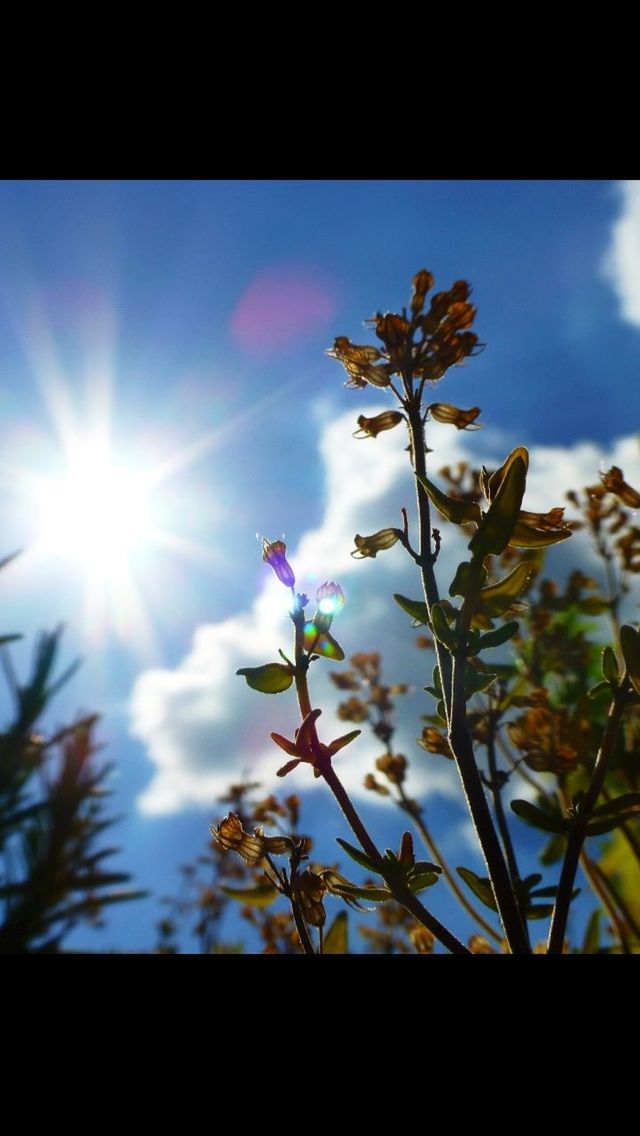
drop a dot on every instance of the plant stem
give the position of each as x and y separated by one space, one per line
324 767
402 894
452 680
609 897
301 928
578 830
496 793
408 807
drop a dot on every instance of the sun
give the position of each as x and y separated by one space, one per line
98 513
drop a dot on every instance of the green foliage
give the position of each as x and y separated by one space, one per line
272 678
52 863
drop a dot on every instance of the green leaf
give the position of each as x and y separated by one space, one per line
460 582
262 895
537 818
496 598
422 881
480 886
599 689
607 824
373 894
4 639
336 939
630 644
422 866
454 510
610 668
498 637
539 911
441 628
554 850
591 941
415 608
321 643
526 536
272 678
360 857
627 803
498 524
476 681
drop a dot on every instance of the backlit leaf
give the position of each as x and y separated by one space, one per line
262 895
272 678
336 940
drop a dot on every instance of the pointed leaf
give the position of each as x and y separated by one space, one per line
261 896
339 743
286 745
497 525
360 857
491 484
526 536
630 644
460 582
272 678
627 803
321 643
539 911
4 639
441 628
422 866
496 598
415 608
480 886
335 940
372 894
610 668
498 637
288 767
537 818
454 510
422 881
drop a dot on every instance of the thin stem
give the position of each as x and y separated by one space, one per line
452 680
578 830
301 928
402 894
324 767
496 792
408 807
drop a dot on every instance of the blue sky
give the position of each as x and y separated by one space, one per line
181 327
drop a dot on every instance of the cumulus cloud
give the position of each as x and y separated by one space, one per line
203 727
622 262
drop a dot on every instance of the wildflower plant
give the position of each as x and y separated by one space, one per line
571 731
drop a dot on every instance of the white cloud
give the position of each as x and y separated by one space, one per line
203 727
622 261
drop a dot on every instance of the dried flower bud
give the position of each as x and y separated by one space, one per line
353 710
478 945
377 542
434 742
393 766
371 427
423 281
375 786
613 481
454 416
422 940
274 553
309 893
231 836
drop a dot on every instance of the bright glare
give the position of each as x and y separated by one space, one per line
98 514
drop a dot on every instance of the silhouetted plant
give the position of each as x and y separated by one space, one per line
52 873
562 714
